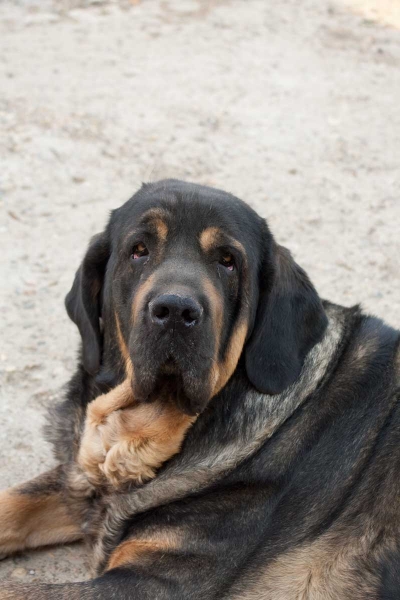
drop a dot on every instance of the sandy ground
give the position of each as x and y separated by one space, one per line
294 106
386 12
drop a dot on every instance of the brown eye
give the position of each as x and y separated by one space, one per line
139 250
228 261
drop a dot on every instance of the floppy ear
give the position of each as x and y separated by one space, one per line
83 301
290 320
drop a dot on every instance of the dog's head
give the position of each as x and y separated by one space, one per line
184 281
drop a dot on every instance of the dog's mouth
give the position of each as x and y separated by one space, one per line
170 388
171 383
172 367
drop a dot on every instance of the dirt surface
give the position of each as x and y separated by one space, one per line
386 12
294 106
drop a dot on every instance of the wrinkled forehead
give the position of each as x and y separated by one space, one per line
189 214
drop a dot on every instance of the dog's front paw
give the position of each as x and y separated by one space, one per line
130 460
102 430
132 443
92 454
141 439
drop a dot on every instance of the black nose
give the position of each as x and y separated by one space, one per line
181 311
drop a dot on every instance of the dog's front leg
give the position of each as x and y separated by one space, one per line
36 514
94 446
141 439
125 441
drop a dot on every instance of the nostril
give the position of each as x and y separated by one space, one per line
190 316
161 313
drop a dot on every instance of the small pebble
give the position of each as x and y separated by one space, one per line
78 179
19 573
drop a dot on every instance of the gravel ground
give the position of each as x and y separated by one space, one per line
294 106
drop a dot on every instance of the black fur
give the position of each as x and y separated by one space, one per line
83 301
288 484
290 321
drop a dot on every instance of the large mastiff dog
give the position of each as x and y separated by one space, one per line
270 464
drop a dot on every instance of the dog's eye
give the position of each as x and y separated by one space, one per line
138 251
228 261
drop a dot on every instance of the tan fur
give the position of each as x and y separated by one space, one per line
93 447
138 550
33 520
156 218
239 246
122 440
209 238
142 439
79 488
159 224
123 349
118 398
140 297
212 236
128 444
223 370
322 570
217 307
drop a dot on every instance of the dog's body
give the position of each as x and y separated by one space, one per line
287 486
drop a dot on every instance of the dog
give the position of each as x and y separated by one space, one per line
263 462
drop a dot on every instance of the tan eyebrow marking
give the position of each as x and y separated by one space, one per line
157 218
212 236
209 238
